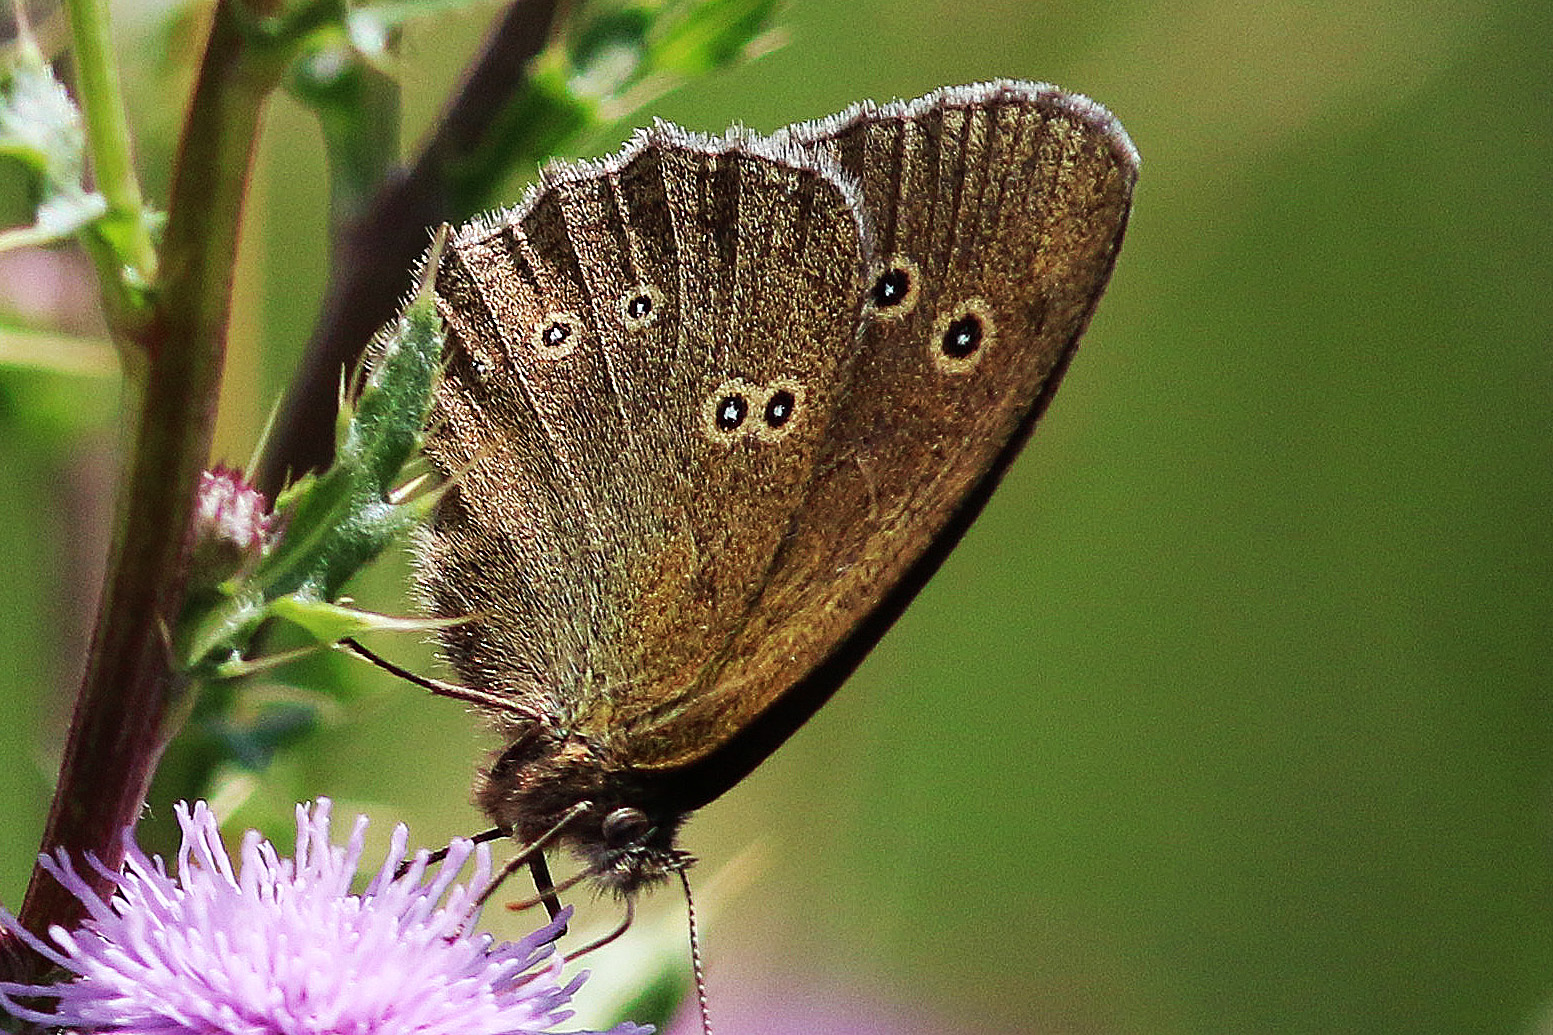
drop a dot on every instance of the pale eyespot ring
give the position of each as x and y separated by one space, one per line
556 335
632 303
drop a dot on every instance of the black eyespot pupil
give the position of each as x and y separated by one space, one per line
730 412
891 288
962 337
779 408
639 306
556 334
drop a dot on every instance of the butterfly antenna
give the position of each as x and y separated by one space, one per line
468 695
696 968
625 925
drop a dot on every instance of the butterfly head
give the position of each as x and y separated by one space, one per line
631 848
548 787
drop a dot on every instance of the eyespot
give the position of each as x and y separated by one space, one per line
625 826
640 307
474 364
556 335
896 286
768 412
730 412
961 335
726 410
781 409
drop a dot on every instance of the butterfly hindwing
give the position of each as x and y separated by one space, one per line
631 408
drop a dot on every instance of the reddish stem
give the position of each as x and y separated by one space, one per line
174 361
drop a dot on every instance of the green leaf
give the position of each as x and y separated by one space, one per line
335 523
608 59
330 623
344 73
277 725
709 36
658 1000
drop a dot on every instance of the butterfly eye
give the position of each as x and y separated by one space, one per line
961 335
625 826
555 335
895 288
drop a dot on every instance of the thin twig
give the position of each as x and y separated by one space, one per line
107 131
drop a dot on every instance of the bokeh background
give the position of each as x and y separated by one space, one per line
1232 714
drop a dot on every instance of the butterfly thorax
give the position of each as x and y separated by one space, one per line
623 839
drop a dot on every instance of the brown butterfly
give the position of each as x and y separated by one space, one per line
714 410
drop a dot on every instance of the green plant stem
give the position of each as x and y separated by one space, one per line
363 143
130 688
108 142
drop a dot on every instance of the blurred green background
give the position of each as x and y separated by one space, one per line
1232 713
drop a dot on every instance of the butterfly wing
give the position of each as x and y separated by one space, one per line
997 211
624 416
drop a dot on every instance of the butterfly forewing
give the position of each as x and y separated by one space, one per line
997 212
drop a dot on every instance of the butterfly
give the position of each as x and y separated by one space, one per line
714 409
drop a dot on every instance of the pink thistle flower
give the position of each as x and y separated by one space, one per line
282 947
